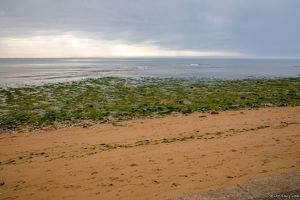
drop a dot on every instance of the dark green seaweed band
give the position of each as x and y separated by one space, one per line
104 99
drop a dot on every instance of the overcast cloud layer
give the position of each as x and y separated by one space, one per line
128 28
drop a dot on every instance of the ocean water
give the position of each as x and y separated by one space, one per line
19 72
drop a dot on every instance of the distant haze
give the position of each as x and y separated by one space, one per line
156 28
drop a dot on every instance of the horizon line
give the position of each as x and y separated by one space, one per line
155 57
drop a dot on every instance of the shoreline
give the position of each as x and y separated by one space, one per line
151 158
111 99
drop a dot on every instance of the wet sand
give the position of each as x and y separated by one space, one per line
151 158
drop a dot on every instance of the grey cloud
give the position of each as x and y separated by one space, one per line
259 28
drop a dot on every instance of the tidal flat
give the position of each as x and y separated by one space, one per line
112 99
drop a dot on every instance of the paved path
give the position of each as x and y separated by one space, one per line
283 186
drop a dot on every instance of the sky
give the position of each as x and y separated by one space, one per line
150 28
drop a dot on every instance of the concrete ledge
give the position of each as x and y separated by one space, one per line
287 184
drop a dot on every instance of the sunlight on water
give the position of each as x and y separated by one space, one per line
15 72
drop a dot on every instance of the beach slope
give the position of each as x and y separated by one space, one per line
151 158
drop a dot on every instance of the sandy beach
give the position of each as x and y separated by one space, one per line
151 158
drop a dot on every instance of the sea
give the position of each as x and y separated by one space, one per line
38 71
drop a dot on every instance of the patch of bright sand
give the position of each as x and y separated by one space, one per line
152 158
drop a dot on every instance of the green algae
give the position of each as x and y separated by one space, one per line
112 98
